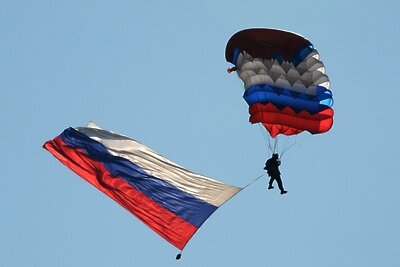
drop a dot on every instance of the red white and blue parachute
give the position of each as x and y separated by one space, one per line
284 79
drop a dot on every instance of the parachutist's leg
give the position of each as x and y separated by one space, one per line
271 180
280 184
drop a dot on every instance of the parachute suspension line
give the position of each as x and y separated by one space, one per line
290 141
266 137
295 142
273 143
276 145
288 144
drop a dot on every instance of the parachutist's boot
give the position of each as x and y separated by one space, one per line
283 192
270 187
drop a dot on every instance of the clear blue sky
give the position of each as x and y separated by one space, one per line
155 71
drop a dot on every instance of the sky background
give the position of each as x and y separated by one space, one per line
156 71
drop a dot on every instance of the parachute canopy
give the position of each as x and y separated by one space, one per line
172 201
284 79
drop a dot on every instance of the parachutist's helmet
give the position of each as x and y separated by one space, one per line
275 156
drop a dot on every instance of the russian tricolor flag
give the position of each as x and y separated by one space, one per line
172 201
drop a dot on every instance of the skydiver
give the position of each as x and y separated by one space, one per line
272 168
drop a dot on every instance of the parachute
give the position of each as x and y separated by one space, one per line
284 79
172 201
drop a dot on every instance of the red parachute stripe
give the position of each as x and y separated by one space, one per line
165 223
286 121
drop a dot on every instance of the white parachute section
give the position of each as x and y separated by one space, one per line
303 78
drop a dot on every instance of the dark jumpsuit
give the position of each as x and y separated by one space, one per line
272 168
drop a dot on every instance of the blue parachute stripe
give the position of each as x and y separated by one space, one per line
265 93
184 205
278 57
236 54
302 54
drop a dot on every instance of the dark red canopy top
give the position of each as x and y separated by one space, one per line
265 43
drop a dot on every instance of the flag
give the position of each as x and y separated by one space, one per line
171 200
